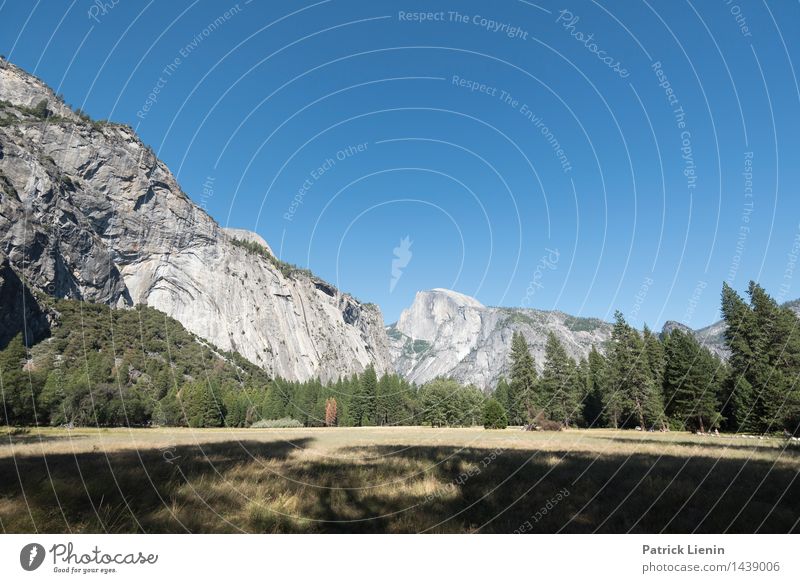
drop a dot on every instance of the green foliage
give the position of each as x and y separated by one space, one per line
502 394
762 392
254 248
138 367
446 403
40 109
364 408
201 406
692 382
560 383
576 324
19 388
494 415
596 387
103 366
632 395
282 423
524 400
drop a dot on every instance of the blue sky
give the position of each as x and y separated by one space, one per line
580 156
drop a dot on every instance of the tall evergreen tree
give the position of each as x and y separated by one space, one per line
630 378
691 382
593 407
494 415
19 389
365 399
200 405
764 342
560 385
525 401
654 350
502 394
741 401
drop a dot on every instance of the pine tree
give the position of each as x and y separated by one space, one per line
365 399
18 391
741 401
559 383
764 341
502 394
200 406
691 382
654 350
435 398
494 415
525 401
631 383
468 403
593 407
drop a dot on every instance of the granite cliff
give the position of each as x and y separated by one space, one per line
88 212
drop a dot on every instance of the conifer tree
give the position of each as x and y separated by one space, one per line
593 408
654 350
365 399
525 402
494 415
502 394
764 342
691 382
19 391
559 383
631 386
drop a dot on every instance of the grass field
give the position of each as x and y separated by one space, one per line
407 479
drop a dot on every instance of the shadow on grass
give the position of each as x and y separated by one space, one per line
273 487
25 438
719 444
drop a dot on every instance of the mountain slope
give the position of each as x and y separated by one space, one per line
445 333
88 212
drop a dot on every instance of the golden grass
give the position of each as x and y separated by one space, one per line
407 479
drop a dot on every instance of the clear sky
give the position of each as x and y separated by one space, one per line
580 156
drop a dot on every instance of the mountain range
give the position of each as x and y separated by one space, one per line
88 212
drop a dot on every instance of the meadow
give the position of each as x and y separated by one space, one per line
394 480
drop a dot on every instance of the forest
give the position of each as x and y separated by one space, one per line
137 367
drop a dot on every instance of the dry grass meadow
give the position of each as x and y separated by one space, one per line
396 480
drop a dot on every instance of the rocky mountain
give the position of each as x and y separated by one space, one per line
445 333
88 212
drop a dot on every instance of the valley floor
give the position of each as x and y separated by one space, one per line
404 479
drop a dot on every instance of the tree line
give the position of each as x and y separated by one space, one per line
671 381
138 367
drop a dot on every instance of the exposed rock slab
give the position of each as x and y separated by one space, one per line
88 212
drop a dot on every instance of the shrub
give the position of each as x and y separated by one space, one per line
40 110
282 423
494 415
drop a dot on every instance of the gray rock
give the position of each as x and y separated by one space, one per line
445 333
19 311
88 212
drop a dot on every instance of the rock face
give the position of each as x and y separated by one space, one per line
445 333
88 212
19 311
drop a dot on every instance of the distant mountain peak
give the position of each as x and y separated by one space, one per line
457 297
